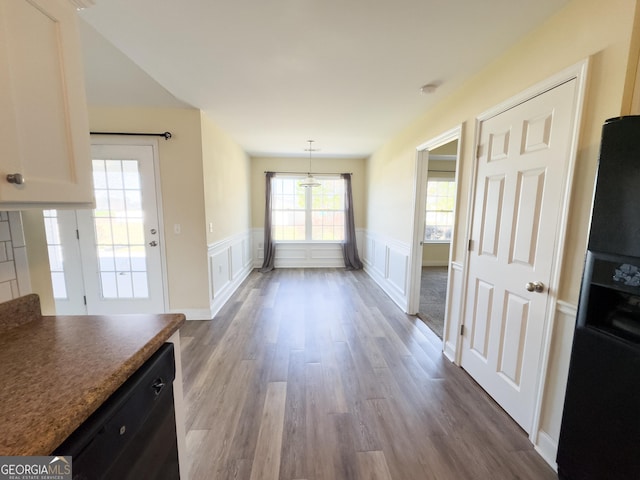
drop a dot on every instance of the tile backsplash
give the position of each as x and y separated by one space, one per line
14 269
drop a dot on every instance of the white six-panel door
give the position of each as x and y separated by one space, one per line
522 162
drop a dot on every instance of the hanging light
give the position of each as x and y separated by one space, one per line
310 181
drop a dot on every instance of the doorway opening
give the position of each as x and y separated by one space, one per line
439 222
434 228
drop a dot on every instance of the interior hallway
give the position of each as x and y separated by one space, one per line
316 374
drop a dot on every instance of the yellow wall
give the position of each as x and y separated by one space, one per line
182 193
584 28
227 195
259 165
601 31
435 254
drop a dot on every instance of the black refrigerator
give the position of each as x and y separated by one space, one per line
600 433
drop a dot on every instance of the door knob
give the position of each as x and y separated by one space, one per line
15 178
537 287
153 243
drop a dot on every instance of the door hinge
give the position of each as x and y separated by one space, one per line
478 151
84 299
470 247
462 330
77 234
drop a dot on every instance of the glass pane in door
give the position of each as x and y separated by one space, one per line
56 260
119 228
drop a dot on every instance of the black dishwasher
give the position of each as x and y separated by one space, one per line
133 434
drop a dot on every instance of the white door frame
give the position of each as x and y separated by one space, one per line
420 198
579 73
153 143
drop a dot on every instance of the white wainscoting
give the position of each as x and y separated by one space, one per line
453 313
387 261
230 262
302 254
548 434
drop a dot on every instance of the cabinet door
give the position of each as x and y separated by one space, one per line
44 134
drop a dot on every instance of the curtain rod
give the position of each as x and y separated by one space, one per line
441 171
306 173
166 135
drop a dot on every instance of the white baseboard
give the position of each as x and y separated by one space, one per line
547 448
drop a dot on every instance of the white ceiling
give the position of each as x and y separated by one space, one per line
274 73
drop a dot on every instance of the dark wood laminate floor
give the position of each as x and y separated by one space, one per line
315 374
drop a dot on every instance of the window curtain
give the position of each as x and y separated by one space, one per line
349 246
269 244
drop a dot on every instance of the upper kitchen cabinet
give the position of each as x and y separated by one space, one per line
44 134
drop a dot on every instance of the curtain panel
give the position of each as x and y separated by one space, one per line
349 246
269 244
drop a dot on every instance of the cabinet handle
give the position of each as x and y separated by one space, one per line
158 385
16 178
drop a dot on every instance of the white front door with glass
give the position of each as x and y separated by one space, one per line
117 247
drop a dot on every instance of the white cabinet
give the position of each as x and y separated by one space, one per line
44 127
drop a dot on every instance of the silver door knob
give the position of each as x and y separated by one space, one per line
153 243
15 178
537 287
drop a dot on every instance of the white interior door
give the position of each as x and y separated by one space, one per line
109 260
522 165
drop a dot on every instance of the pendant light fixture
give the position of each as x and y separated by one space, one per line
310 181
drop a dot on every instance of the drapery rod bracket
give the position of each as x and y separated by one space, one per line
166 135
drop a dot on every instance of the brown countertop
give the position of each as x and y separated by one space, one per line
57 370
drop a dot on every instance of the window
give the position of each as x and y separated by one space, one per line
56 261
307 214
441 198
